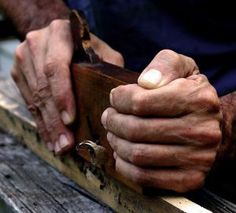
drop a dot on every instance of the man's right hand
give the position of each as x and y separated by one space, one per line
41 72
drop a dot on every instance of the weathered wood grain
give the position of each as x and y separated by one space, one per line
28 184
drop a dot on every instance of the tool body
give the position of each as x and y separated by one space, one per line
93 79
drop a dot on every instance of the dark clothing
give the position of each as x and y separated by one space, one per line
196 28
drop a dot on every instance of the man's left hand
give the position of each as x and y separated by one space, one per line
165 137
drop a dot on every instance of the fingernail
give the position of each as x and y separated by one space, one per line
104 119
63 141
150 79
111 97
50 146
57 147
66 118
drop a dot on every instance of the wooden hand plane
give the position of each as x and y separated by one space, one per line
93 79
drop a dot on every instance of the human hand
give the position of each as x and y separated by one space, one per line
165 136
41 72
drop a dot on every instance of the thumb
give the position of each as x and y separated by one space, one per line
166 67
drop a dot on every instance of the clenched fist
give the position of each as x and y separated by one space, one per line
165 130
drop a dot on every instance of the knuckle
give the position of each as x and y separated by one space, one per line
209 160
53 124
19 52
54 66
50 68
132 130
14 75
60 97
213 137
207 100
57 24
169 56
194 180
32 39
209 134
137 155
179 86
216 133
191 180
32 35
139 176
192 61
202 160
190 64
42 93
138 103
166 53
36 100
201 78
116 92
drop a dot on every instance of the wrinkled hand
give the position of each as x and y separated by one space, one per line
41 72
165 136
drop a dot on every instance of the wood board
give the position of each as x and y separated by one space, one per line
16 120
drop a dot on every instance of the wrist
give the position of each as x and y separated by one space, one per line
227 148
46 16
31 15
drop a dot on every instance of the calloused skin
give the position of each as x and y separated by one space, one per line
41 72
166 137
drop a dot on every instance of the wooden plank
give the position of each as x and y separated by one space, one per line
28 184
95 181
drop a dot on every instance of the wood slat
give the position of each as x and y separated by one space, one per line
28 184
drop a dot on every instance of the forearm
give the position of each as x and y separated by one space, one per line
227 150
28 15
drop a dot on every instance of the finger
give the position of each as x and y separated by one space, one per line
61 136
56 68
105 52
166 67
168 101
170 179
161 130
25 92
147 155
41 127
29 57
160 155
24 63
19 79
